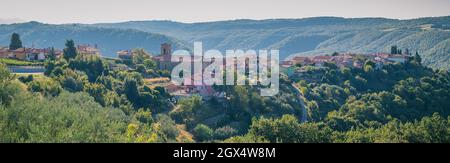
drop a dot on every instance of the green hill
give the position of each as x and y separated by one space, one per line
313 36
308 36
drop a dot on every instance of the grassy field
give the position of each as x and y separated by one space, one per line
14 62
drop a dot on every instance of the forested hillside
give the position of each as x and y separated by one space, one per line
314 36
309 36
397 103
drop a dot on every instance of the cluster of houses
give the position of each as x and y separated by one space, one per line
163 61
288 67
88 49
28 54
38 54
125 54
341 60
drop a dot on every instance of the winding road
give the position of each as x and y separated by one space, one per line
304 117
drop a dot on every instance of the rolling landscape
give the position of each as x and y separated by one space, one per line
293 37
372 72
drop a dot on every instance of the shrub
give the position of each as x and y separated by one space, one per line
203 133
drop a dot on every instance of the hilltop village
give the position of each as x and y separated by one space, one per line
294 68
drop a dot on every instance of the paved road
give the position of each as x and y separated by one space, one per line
304 117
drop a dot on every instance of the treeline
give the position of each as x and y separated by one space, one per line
287 129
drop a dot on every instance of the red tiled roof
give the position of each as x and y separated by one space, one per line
300 58
286 63
124 52
19 50
323 57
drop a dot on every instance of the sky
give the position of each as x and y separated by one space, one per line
97 11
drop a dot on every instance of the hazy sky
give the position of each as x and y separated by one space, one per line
94 11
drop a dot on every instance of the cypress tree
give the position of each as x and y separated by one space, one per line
417 58
70 51
52 54
394 49
16 43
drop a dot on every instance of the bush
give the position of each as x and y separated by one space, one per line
47 87
73 81
167 128
27 79
141 68
9 88
224 132
144 117
203 133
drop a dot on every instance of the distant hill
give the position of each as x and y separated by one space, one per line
309 36
313 36
109 41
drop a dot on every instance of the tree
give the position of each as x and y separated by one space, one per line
141 68
140 55
368 68
167 127
131 90
73 81
144 116
224 132
45 86
434 129
417 58
70 51
203 133
287 129
150 64
52 54
16 43
239 101
98 91
186 109
330 77
93 66
8 87
26 79
407 52
394 49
